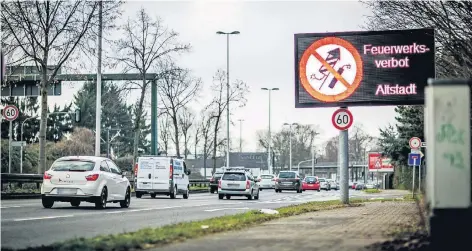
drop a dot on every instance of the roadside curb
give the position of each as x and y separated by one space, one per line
37 195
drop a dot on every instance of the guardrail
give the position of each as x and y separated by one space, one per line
20 179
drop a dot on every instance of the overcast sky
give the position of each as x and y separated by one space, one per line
262 55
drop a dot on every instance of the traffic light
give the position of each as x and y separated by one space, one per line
77 115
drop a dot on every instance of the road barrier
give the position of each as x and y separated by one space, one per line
8 179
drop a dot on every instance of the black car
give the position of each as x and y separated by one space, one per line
214 182
288 180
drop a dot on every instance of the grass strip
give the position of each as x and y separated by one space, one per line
195 188
155 237
372 190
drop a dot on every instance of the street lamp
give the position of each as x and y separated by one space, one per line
269 159
227 89
290 140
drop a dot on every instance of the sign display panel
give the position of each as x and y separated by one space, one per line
371 68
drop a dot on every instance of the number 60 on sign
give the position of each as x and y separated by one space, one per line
342 119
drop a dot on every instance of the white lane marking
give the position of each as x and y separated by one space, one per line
142 209
44 218
210 204
229 208
9 207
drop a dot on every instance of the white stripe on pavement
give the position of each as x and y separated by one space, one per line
143 209
228 208
44 218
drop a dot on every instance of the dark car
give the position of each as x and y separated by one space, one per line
214 182
288 180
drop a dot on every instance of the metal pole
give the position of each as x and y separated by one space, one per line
419 177
10 139
312 160
240 135
290 147
414 174
227 100
108 143
269 159
21 148
154 127
344 165
99 83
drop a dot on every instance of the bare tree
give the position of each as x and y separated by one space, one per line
197 135
186 122
177 90
206 129
164 133
237 98
145 43
46 33
358 143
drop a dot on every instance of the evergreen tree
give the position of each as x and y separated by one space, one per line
116 115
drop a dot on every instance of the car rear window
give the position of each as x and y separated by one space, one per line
287 175
234 176
322 180
217 175
267 176
73 165
310 179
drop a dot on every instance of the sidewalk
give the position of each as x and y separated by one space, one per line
342 229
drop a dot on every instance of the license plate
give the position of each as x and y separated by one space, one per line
233 185
287 183
66 191
311 185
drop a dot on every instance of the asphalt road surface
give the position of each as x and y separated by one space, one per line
26 223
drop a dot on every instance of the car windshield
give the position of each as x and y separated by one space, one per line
286 175
73 165
310 179
234 176
265 177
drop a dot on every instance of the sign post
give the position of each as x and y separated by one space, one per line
10 113
342 119
414 158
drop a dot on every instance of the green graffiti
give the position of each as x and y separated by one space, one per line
455 159
449 133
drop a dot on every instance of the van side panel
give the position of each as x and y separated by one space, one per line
161 179
145 173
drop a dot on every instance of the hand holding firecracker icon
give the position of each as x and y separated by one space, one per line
334 56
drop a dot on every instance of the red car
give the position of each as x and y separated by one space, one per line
311 183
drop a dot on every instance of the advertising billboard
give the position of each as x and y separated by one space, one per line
371 68
377 163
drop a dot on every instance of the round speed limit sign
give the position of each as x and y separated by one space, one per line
10 112
342 119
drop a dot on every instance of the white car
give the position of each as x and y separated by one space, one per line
85 178
324 184
238 182
162 175
266 181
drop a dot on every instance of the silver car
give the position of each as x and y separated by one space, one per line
333 184
236 182
324 184
266 181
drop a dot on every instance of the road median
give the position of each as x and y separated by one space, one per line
156 237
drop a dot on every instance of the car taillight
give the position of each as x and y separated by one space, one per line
92 177
248 184
47 176
219 184
171 171
136 169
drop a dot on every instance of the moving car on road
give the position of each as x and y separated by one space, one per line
214 181
238 182
85 178
324 184
333 184
266 181
162 175
360 185
311 183
288 180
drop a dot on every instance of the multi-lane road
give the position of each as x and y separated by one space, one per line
26 223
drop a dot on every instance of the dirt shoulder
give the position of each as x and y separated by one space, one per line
347 229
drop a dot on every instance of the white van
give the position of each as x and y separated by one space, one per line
161 175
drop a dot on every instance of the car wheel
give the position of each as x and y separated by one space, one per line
221 196
319 190
125 203
260 189
139 195
228 197
186 193
172 193
101 203
47 203
250 197
257 196
153 195
75 203
303 190
299 191
212 191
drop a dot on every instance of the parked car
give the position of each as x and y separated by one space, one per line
162 175
311 183
214 181
85 178
333 184
371 185
238 182
266 181
288 180
324 184
360 185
